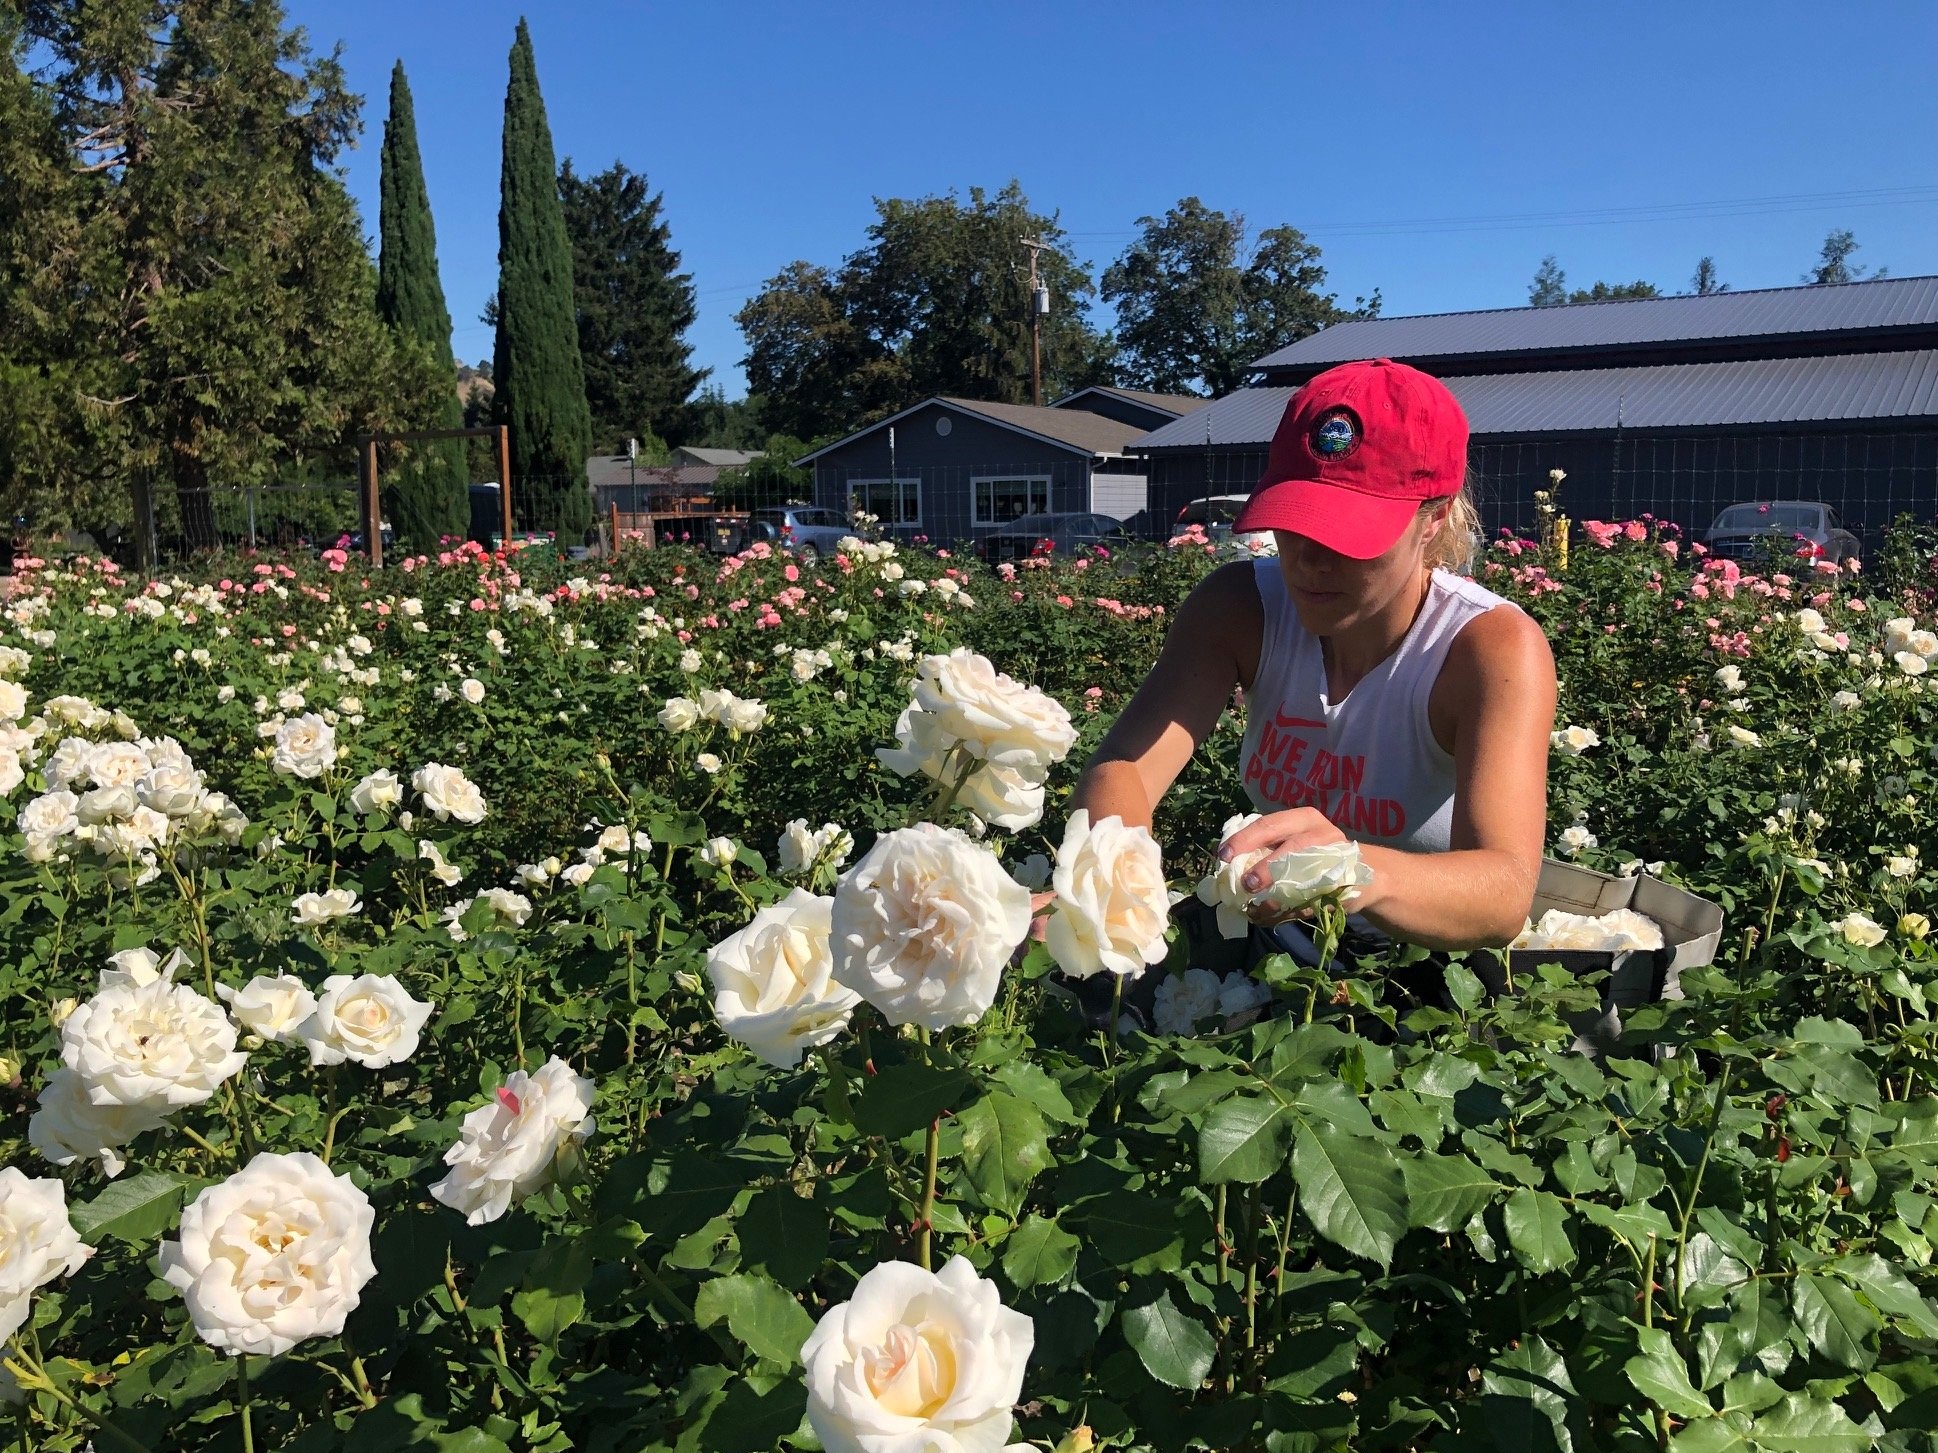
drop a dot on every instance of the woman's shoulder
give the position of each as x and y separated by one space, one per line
1226 608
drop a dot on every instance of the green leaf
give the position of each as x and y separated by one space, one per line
1537 1229
1243 1139
1175 1348
1525 1397
1714 1435
1803 1424
904 1098
784 1235
1837 1324
1661 1376
552 1296
1004 1148
760 1314
1890 1291
1039 1251
1444 1192
1352 1190
136 1210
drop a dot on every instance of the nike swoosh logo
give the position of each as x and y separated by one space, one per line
1281 720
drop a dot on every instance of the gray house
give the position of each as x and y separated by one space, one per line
952 469
1673 406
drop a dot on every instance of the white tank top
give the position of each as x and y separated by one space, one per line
1370 764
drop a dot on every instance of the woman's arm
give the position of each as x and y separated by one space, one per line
1499 695
1179 704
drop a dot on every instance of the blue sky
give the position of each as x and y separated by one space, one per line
1435 151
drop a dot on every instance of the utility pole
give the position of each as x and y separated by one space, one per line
1039 310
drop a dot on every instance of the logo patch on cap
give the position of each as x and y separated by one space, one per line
1336 434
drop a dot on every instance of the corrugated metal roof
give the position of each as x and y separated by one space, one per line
1170 403
1836 308
1065 426
1764 391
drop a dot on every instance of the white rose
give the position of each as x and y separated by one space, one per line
377 792
273 1007
370 1019
681 713
1911 663
1810 622
448 793
11 775
773 981
1224 886
1846 701
1112 906
1902 866
37 1242
276 1254
577 875
117 764
50 815
137 966
447 873
312 908
157 1044
305 746
13 700
1576 840
708 763
1574 740
106 804
924 925
917 1362
472 690
797 850
69 1126
1240 994
615 839
511 907
718 852
509 1148
1302 878
1859 930
1184 999
171 788
989 714
1743 736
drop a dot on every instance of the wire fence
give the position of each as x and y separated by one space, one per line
171 522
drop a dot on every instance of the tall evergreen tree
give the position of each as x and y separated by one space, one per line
535 367
429 491
634 307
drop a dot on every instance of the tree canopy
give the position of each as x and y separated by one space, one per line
1550 288
1834 262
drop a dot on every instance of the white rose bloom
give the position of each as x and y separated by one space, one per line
1810 622
1911 663
448 793
718 852
69 1126
773 982
14 661
377 792
614 839
1184 999
137 966
67 764
510 1148
11 775
158 1044
989 715
276 1254
50 816
1730 678
13 700
273 1007
472 690
1743 736
370 1019
1005 796
117 764
37 1242
1577 839
305 747
577 875
1302 878
310 908
1241 993
1902 867
917 1362
708 763
1574 740
447 873
1859 930
681 713
173 789
1924 643
1846 701
512 907
797 850
106 804
924 925
1112 905
1224 886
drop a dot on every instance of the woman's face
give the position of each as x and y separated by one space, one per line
1334 592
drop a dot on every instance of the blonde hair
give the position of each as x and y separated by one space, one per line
1458 542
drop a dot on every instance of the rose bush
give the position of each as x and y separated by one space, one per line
587 1130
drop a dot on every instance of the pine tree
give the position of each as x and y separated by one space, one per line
535 367
634 307
429 492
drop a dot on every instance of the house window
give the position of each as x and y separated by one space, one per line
892 501
998 501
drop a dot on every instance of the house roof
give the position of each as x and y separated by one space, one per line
1174 404
1073 429
1873 313
605 472
1742 393
723 458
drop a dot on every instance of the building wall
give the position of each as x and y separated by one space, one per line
947 465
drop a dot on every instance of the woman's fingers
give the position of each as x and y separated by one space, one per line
1273 830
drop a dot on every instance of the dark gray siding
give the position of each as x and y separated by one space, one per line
1177 479
946 466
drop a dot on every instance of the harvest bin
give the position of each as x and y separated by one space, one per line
1691 929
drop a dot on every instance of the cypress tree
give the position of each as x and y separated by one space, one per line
429 493
535 367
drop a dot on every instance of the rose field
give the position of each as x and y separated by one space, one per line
667 1003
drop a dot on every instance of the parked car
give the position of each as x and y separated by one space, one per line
807 531
1743 530
1043 534
1215 515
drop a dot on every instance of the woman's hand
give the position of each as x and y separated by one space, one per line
1279 833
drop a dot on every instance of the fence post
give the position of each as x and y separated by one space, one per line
615 529
250 495
147 548
504 481
374 532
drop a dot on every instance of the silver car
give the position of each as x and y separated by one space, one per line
1787 524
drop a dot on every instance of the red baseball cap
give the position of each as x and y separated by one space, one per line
1358 450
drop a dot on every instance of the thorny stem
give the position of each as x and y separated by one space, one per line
242 1396
945 798
931 1151
329 1128
1695 1187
